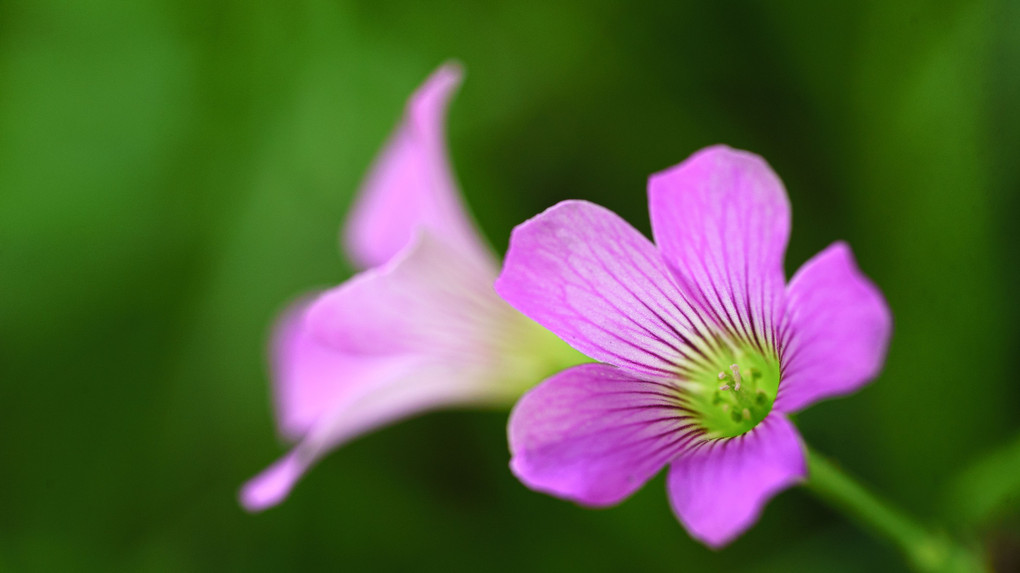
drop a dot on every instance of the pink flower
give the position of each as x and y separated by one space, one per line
421 329
706 347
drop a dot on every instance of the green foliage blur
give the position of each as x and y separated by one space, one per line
173 173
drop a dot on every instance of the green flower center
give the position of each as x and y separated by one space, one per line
737 394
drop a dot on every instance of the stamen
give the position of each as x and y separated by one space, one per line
738 396
736 376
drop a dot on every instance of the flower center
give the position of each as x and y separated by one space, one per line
737 395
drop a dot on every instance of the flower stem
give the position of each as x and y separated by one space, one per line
926 550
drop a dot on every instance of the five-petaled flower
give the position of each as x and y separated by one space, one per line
421 329
705 346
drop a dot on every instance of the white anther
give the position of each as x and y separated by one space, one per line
724 387
722 375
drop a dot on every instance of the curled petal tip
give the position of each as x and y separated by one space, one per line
452 70
272 486
411 185
429 101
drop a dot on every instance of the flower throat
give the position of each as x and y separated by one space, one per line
734 397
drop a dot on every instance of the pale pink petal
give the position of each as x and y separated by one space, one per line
273 485
411 184
402 388
584 273
835 332
430 299
310 378
719 489
722 220
594 433
422 328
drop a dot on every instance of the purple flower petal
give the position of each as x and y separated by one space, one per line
722 219
584 273
431 299
835 331
594 433
419 330
719 489
412 186
309 377
398 388
273 485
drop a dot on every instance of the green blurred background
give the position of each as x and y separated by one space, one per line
172 173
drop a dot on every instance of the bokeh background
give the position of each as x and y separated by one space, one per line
172 173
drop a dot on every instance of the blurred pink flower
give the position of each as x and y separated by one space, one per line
705 346
421 329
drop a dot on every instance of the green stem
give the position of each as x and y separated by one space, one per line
926 550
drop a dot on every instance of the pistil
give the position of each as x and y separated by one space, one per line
736 376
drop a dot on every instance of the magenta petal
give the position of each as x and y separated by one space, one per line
584 273
430 299
835 332
594 434
411 185
309 377
722 220
718 490
398 388
273 485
